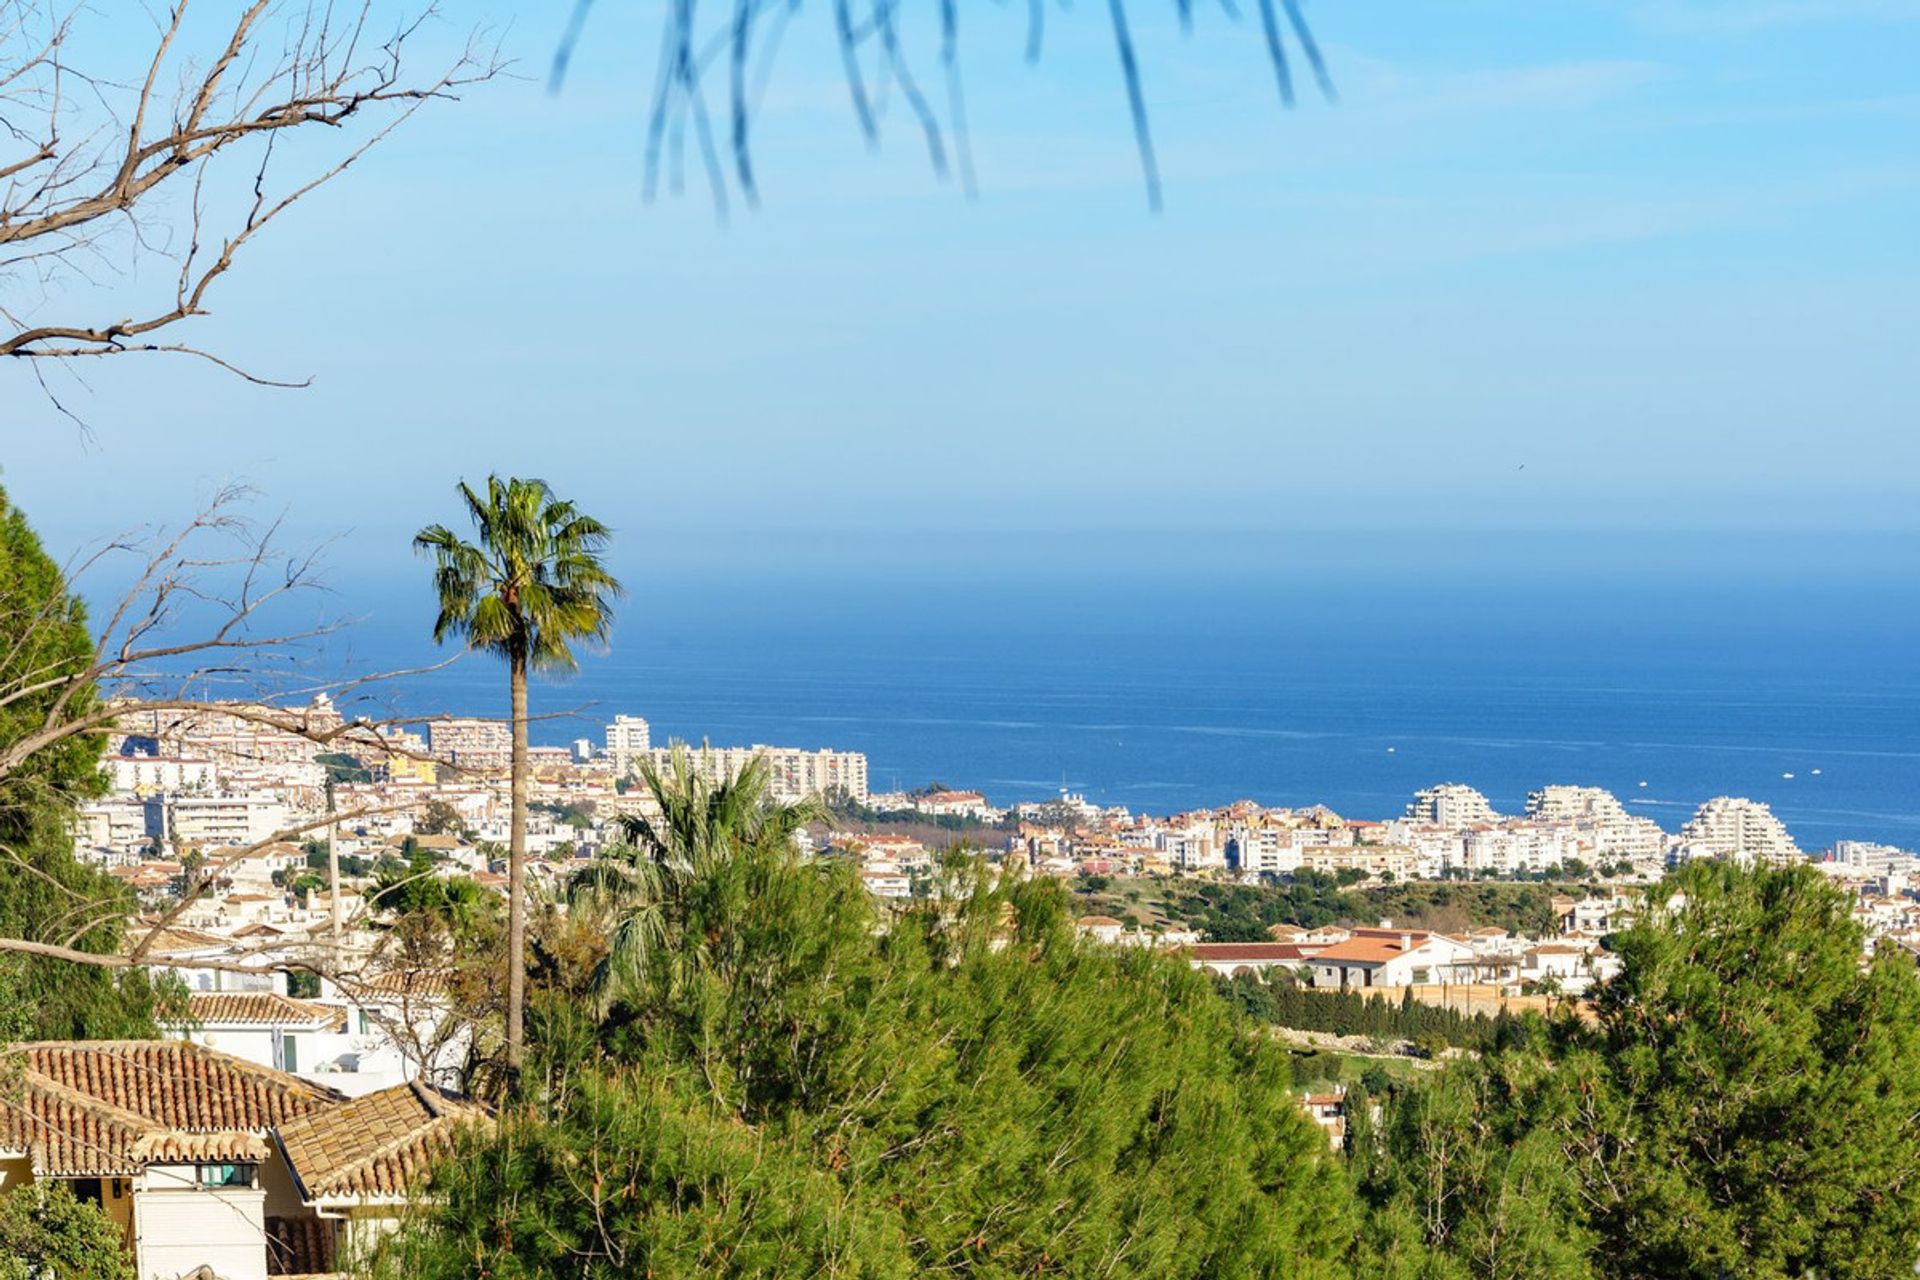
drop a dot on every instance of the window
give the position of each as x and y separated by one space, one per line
289 1054
226 1175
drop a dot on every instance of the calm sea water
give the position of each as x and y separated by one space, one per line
1178 695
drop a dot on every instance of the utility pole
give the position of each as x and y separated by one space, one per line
333 867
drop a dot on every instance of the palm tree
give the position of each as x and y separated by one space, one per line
633 893
529 587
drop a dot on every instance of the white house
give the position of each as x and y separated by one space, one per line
1233 959
1389 958
262 1027
209 1161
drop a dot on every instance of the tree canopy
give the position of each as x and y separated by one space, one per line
45 894
801 1085
45 1230
1745 1100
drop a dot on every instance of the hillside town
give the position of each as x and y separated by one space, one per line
254 797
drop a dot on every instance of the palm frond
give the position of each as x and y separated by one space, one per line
532 582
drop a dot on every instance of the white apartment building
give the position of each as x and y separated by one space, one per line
224 732
629 739
1865 858
1437 850
471 743
1395 860
1190 847
116 824
1588 805
1613 832
158 773
792 772
1257 849
1639 840
1451 804
1517 847
211 821
1737 828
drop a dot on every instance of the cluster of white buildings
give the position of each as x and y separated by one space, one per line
1571 960
240 794
231 776
1446 831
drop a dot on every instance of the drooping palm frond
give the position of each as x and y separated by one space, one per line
703 820
727 37
622 892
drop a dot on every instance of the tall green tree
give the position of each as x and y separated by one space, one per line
1743 1101
802 1082
528 588
1749 1102
46 895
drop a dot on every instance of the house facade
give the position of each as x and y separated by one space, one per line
1388 958
206 1160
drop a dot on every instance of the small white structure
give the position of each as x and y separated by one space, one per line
208 1161
1389 958
1235 959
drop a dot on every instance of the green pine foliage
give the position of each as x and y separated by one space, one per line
803 1087
45 894
792 1081
1350 1013
1745 1102
45 1231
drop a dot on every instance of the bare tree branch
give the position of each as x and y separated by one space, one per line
81 178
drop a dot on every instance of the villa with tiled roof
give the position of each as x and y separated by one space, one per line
208 1160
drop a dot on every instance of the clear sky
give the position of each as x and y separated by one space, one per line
1584 281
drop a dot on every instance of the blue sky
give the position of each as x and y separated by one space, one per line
1610 284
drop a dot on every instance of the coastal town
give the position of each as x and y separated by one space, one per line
315 1066
231 789
1036 642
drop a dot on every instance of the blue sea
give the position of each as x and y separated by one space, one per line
1190 690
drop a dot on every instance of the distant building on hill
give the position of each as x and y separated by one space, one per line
955 804
1738 829
792 772
629 738
1451 804
1871 859
471 743
1574 804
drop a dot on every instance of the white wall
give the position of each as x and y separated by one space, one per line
179 1226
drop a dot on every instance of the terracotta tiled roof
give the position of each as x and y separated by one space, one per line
106 1107
299 1246
1282 952
396 983
379 1146
262 1009
1367 950
171 939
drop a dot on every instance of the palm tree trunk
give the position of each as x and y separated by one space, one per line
517 867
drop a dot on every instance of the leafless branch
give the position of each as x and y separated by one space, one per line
82 175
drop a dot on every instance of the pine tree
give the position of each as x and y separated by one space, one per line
45 894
